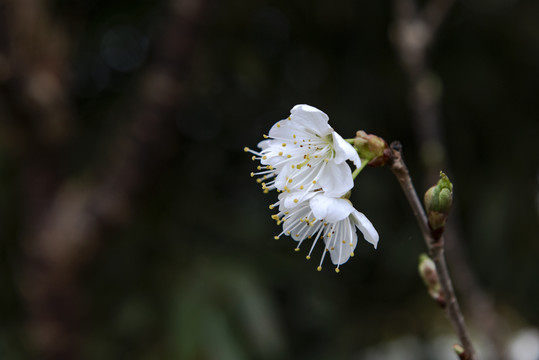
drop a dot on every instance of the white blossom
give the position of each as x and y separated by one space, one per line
303 153
321 217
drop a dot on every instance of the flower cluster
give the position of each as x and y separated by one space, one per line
305 160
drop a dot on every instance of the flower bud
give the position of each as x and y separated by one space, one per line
438 200
427 271
461 353
371 148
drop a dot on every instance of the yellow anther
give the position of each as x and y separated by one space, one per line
294 136
344 242
289 156
301 187
314 181
337 270
276 237
296 201
258 168
326 160
289 180
275 217
252 174
280 153
295 142
271 207
352 254
266 191
308 257
259 180
284 144
253 158
265 136
269 167
296 249
264 157
293 166
309 237
332 248
278 125
289 118
246 149
319 268
329 235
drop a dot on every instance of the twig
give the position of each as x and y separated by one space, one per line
414 31
435 246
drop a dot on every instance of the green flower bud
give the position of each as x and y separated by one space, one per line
427 271
371 148
438 200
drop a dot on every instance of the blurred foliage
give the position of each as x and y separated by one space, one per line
196 274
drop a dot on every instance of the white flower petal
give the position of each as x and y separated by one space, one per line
336 179
344 243
329 208
311 118
366 227
344 151
293 199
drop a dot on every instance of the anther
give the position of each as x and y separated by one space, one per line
271 207
284 144
296 201
280 153
265 136
246 149
314 181
319 268
308 257
296 249
276 237
337 270
352 254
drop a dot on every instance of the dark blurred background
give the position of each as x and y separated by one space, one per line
129 225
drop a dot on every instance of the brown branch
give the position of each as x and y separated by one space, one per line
436 249
413 34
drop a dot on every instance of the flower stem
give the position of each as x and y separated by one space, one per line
436 249
356 172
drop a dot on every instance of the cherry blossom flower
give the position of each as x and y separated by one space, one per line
322 217
303 153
